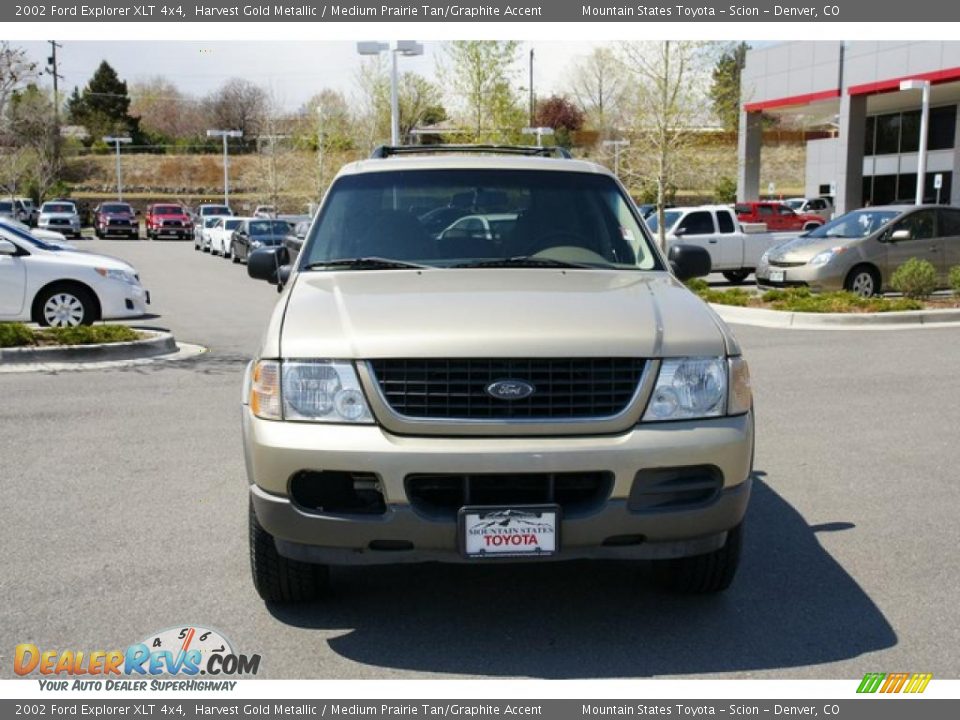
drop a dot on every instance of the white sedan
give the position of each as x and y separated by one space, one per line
63 288
221 233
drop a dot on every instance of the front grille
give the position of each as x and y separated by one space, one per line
172 223
59 221
457 389
784 263
118 222
441 496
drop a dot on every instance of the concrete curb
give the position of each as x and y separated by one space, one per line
911 319
157 342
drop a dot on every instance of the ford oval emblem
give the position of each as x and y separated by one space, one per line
510 389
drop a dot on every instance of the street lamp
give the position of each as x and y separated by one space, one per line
616 145
924 86
117 142
539 132
407 48
226 163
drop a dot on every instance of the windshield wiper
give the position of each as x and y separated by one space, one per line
523 261
366 263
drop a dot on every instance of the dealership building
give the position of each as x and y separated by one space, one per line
860 88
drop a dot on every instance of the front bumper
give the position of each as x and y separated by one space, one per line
122 300
820 278
276 451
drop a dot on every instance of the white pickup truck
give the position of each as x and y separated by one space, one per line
715 228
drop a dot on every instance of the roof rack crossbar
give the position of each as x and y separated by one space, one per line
385 151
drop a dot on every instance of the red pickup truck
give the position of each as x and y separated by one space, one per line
777 216
168 219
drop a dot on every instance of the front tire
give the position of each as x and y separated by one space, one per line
279 579
863 280
65 306
737 276
702 574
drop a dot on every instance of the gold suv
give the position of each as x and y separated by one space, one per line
533 383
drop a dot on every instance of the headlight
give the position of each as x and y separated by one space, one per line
688 388
822 258
314 391
121 275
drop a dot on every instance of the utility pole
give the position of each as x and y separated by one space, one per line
118 141
54 71
226 158
616 145
533 108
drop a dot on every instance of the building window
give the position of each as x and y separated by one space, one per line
943 126
886 189
868 137
888 134
910 132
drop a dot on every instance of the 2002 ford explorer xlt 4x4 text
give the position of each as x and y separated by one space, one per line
480 355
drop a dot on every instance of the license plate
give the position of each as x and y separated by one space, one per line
521 531
776 276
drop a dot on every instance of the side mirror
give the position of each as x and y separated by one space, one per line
7 247
689 261
265 264
899 235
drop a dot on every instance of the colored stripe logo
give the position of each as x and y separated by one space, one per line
894 683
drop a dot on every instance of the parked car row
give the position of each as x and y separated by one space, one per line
233 237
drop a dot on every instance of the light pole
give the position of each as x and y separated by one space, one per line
407 48
616 145
226 162
924 87
539 132
117 142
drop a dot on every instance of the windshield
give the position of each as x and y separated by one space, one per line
232 224
442 218
168 210
116 208
268 227
670 218
6 206
215 210
210 222
58 208
856 224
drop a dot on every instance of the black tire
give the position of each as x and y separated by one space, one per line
737 276
811 226
857 281
84 298
702 574
96 233
279 579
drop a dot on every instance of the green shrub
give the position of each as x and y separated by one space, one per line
725 191
915 278
15 335
697 285
88 335
802 300
955 279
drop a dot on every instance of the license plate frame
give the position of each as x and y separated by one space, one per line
531 518
777 276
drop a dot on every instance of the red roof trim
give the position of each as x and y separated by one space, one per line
792 100
883 86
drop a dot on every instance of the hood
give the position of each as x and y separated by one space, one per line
83 258
118 215
804 248
58 215
492 313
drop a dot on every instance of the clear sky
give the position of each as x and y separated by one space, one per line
293 71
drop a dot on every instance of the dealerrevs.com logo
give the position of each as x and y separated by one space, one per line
179 652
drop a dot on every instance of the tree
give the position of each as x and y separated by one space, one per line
166 114
15 71
725 88
240 105
419 102
103 106
33 128
480 73
560 114
669 90
599 84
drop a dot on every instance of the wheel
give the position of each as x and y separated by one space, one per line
811 226
96 233
65 306
279 579
702 574
737 276
863 280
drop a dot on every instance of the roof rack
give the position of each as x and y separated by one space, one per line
385 151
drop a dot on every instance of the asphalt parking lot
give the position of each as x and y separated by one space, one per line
125 513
